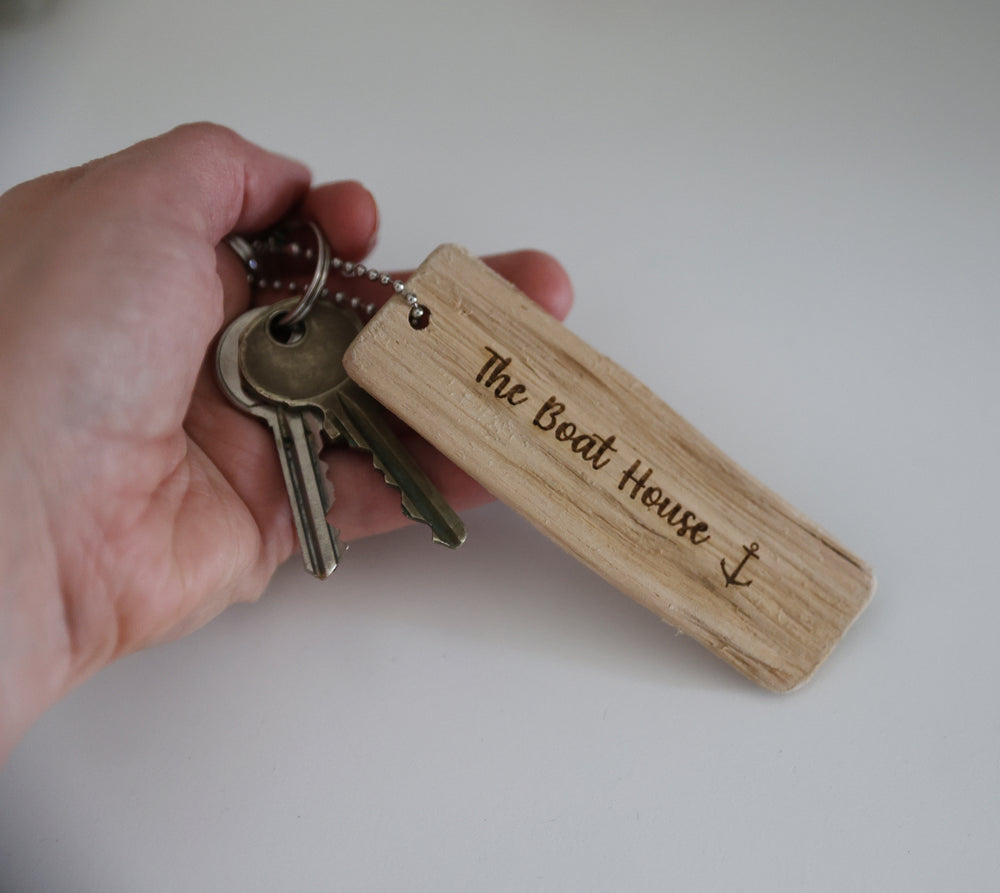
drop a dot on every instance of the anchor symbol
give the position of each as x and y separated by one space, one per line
751 552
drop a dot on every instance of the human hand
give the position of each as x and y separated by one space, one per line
136 502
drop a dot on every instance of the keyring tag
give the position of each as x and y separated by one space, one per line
602 466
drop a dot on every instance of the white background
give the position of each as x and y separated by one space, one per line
785 218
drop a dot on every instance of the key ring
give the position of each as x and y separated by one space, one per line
316 284
246 251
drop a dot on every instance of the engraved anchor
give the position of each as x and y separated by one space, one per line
731 578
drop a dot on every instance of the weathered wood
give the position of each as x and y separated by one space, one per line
601 465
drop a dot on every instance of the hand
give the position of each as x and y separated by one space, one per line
136 502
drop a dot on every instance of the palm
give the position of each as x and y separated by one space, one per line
215 527
175 511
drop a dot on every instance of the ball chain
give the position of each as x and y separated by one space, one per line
345 268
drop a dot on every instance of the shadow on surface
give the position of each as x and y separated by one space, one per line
511 588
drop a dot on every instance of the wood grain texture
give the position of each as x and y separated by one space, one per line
606 469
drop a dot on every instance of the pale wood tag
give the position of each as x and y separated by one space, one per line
607 470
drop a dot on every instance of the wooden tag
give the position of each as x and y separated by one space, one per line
607 470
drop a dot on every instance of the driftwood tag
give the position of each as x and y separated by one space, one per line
607 470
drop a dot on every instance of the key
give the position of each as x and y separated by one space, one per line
296 436
300 367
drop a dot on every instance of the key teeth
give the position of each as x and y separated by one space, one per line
339 546
316 442
456 530
315 428
446 527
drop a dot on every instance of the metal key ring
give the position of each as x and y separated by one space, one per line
244 250
316 285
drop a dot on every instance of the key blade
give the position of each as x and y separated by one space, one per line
309 490
296 437
306 373
359 418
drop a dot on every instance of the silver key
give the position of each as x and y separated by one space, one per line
296 436
302 368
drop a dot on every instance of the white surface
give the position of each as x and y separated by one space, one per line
783 217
